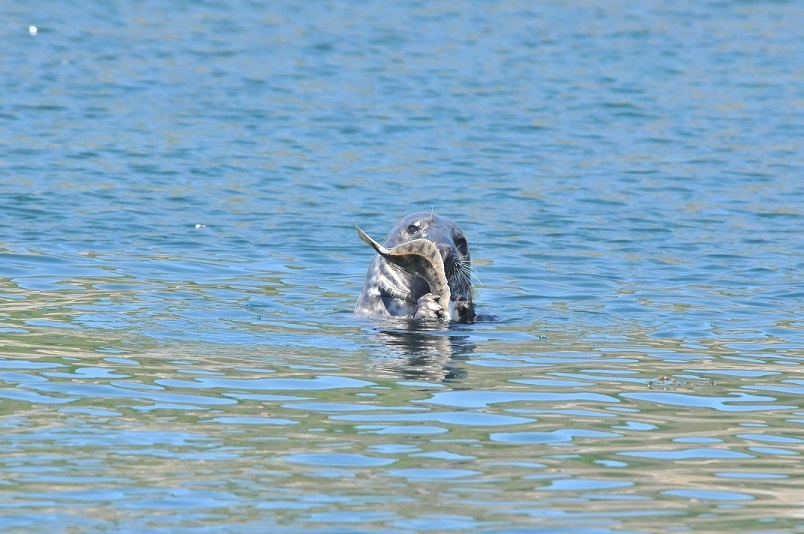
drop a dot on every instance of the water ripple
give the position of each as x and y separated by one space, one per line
178 266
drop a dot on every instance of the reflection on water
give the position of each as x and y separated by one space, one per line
178 267
428 351
556 433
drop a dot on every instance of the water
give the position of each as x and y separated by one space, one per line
178 266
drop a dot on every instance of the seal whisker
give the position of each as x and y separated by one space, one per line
472 273
465 272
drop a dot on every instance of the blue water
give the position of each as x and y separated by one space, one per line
178 266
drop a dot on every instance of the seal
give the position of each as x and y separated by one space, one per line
422 270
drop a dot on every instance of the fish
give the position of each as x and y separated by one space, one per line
418 257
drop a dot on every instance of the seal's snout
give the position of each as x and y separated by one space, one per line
450 257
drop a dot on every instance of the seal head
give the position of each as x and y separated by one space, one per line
422 270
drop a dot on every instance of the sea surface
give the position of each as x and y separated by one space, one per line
179 266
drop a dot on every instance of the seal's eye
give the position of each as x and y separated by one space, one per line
412 229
